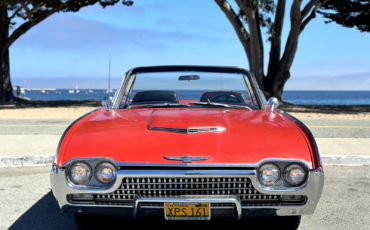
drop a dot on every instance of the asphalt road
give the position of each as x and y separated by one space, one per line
26 202
33 126
321 128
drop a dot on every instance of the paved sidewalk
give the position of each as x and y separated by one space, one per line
28 145
31 150
344 146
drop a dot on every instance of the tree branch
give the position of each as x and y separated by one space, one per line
292 42
28 12
275 50
238 26
308 8
255 39
15 14
295 12
260 41
39 6
25 27
312 15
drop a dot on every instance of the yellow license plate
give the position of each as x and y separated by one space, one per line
187 211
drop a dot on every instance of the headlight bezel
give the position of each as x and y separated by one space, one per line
70 177
259 174
114 172
304 178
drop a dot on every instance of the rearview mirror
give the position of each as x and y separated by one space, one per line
189 77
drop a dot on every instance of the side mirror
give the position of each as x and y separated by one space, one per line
107 102
273 102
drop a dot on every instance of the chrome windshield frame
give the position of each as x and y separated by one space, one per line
176 68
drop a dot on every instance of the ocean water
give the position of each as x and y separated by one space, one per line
327 97
294 97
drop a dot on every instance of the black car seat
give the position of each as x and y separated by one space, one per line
155 96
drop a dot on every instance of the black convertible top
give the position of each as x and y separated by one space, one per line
199 68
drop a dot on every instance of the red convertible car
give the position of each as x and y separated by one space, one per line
188 143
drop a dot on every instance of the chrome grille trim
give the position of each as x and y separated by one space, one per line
171 187
161 205
189 130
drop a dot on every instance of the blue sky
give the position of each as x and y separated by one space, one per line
165 32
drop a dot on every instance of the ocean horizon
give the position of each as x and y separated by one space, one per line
299 97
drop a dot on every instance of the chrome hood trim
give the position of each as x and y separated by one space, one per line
190 130
186 158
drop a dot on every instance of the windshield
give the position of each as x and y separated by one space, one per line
188 88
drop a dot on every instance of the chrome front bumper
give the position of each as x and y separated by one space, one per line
312 189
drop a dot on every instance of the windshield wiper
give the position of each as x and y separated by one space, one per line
166 105
219 104
156 105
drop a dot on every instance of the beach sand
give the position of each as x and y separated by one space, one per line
331 116
45 113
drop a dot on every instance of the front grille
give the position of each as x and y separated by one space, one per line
134 187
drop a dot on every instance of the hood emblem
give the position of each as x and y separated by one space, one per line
186 158
189 130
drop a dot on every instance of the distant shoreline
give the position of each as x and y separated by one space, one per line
327 109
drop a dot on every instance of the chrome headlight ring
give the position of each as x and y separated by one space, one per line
268 174
105 173
79 172
295 174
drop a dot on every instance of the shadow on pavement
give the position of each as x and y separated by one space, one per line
45 214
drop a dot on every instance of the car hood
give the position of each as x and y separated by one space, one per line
125 136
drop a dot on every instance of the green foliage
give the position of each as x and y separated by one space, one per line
37 10
265 9
348 13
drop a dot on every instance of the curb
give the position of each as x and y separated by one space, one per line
44 160
346 160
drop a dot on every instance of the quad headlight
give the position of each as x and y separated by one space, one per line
268 174
80 172
105 173
295 174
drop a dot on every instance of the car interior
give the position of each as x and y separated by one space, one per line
155 97
225 97
162 96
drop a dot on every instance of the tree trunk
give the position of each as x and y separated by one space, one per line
6 89
281 77
275 82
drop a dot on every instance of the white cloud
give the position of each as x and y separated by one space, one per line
67 31
347 81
